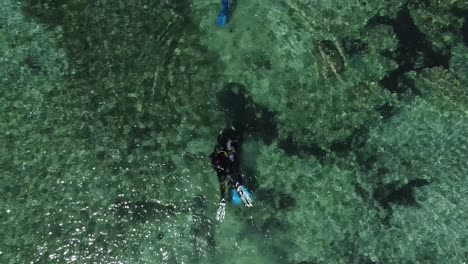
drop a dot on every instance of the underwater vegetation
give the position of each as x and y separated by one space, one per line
354 114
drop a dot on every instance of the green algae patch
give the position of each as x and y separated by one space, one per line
440 21
329 228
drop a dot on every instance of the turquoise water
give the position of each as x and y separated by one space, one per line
354 117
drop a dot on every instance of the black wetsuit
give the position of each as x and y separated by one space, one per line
225 160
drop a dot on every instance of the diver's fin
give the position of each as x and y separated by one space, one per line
245 196
221 212
235 198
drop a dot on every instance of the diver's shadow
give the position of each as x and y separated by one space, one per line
250 119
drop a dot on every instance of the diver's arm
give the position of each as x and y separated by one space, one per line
222 188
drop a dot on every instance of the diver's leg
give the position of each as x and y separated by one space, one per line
222 187
239 178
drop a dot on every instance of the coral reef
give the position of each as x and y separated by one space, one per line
354 116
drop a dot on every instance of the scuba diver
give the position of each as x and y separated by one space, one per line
225 161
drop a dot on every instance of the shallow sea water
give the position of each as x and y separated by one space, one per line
111 108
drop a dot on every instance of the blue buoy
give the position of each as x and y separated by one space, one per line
222 18
235 198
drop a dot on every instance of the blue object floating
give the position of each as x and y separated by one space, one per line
222 18
235 198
